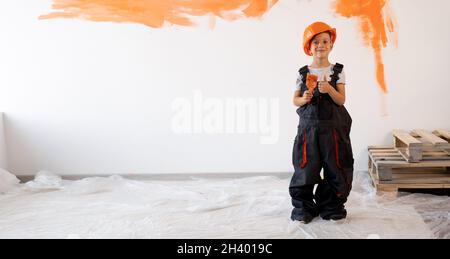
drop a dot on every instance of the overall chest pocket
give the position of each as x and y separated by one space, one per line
325 108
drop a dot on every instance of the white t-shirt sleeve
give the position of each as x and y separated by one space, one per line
341 78
298 83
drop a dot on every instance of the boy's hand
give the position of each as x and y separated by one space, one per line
307 96
324 86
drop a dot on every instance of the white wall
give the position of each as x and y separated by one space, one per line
98 98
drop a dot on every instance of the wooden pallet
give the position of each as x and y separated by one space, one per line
390 172
412 145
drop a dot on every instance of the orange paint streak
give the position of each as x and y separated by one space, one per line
155 13
374 17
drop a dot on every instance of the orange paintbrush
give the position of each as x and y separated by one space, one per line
311 83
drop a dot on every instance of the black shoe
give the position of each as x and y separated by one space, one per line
305 219
334 216
338 217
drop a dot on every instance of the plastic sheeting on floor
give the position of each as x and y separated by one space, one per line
8 181
254 207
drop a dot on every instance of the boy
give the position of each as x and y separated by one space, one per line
322 139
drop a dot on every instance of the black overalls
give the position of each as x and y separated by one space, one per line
322 141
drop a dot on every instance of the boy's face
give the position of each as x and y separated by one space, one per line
321 45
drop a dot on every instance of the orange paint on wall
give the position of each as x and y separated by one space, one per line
374 18
155 13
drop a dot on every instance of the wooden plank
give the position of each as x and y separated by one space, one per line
413 186
410 155
405 139
433 139
414 175
434 170
393 187
436 158
442 179
442 133
430 147
390 189
404 164
378 147
384 174
373 177
434 153
408 146
386 154
419 178
392 151
423 180
376 159
419 181
382 158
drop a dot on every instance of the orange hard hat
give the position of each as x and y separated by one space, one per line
314 29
